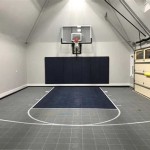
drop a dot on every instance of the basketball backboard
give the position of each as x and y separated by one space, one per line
83 33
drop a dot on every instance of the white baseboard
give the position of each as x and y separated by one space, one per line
111 84
46 85
12 91
131 85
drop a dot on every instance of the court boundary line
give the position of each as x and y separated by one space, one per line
78 125
103 125
28 112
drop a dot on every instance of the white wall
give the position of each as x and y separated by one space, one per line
12 65
17 20
45 40
118 53
17 17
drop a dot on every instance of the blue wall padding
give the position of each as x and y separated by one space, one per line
80 70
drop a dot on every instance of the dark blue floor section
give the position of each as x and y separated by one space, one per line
76 97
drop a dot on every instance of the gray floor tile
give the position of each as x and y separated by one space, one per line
129 147
88 136
113 141
101 141
23 145
49 147
65 135
64 140
142 148
9 146
52 140
39 140
23 136
75 146
99 136
88 147
116 147
102 147
62 147
36 146
76 140
88 141
76 135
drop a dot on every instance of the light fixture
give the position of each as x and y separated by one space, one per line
147 6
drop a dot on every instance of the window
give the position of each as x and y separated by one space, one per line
144 5
147 6
139 55
147 54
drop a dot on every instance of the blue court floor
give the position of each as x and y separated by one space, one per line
76 97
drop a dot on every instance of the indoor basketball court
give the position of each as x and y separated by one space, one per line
75 75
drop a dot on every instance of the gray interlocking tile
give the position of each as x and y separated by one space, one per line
102 147
39 140
53 135
88 147
23 136
88 136
76 135
62 147
9 146
76 140
126 142
99 135
116 147
63 140
75 146
113 141
36 146
49 147
88 141
51 140
129 147
142 148
101 141
23 145
65 135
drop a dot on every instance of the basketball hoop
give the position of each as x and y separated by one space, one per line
76 42
76 46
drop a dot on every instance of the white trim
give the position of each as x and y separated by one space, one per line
132 85
106 85
35 104
52 85
12 91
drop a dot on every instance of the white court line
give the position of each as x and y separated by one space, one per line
103 125
45 124
37 103
119 112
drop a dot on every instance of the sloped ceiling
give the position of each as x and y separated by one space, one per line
58 13
17 17
131 32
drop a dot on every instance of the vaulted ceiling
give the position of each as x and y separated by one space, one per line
23 19
17 17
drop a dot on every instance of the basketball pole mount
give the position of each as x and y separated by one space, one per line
76 36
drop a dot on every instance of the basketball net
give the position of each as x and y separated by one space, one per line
76 49
76 43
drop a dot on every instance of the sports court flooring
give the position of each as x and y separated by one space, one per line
124 128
